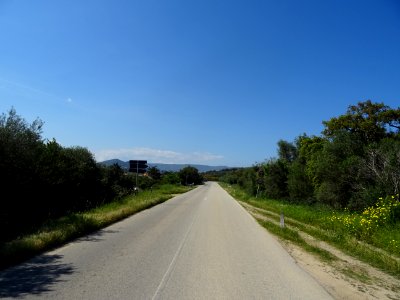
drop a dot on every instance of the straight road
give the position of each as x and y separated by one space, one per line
198 245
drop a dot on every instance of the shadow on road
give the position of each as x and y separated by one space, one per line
33 277
95 236
39 274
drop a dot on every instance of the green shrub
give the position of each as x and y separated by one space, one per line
385 212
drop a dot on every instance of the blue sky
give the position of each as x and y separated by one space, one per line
211 82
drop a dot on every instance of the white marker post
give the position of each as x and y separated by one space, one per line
282 220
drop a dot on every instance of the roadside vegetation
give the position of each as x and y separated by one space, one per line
305 224
52 194
55 232
341 187
353 163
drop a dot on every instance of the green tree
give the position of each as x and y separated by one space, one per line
382 165
20 145
287 152
170 178
154 173
72 178
190 175
276 171
300 185
335 168
275 179
41 179
116 182
370 121
231 176
247 179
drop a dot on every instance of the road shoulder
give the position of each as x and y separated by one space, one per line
344 278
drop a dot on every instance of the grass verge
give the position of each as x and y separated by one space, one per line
57 232
294 237
313 220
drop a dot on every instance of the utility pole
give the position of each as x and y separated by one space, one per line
138 166
137 171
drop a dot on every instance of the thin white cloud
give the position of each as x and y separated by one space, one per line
157 155
25 87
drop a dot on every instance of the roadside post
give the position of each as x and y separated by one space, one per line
138 167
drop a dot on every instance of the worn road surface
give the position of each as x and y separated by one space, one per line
198 245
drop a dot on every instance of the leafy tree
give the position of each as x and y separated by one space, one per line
116 182
71 179
357 156
275 179
231 176
334 169
170 178
247 179
20 144
219 175
356 161
287 152
212 175
190 175
41 179
154 173
371 121
299 184
382 165
260 179
276 171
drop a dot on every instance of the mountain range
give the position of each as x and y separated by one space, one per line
165 167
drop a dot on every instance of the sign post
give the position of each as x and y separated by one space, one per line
138 167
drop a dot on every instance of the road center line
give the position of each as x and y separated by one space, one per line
171 265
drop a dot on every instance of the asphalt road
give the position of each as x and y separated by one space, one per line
198 245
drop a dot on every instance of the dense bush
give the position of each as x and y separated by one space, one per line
170 178
190 175
353 163
41 179
385 212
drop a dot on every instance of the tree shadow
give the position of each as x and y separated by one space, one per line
35 276
96 236
39 274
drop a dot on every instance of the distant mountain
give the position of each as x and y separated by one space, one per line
178 167
165 167
110 162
